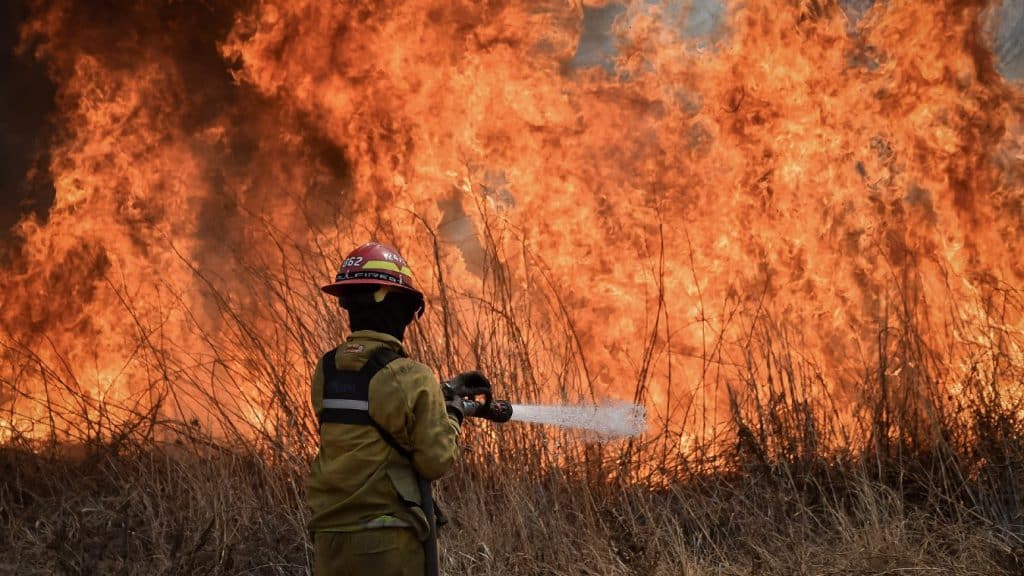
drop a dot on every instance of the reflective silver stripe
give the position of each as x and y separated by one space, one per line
341 404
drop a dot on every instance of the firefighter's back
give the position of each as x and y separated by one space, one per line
362 490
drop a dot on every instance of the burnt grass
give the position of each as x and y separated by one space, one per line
190 508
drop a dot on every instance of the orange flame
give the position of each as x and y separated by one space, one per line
633 221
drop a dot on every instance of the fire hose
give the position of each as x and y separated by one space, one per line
486 409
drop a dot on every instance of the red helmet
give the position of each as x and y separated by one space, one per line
373 263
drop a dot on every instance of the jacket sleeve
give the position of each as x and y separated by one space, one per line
432 433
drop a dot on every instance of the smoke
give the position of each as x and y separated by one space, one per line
704 20
1010 38
26 101
156 145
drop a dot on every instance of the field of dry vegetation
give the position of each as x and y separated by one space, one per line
197 508
936 489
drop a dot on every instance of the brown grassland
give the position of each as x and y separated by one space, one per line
936 490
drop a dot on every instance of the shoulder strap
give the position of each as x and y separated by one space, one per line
380 358
346 394
327 362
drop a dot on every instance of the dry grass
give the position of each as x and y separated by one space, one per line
904 478
187 509
165 511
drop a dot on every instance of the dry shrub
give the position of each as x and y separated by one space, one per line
905 477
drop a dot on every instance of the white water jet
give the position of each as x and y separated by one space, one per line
608 421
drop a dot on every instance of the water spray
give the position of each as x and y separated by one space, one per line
607 421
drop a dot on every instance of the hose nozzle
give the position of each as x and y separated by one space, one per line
485 407
495 411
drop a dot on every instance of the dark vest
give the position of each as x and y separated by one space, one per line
347 393
347 401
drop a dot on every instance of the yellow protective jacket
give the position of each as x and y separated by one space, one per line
358 481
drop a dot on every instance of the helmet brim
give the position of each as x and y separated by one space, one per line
337 288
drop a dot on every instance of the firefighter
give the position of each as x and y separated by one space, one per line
384 425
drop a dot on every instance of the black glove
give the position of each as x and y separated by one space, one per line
468 385
459 408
